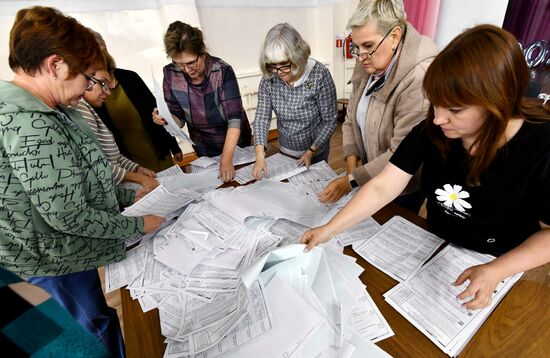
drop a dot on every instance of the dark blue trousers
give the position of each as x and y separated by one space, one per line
81 295
323 155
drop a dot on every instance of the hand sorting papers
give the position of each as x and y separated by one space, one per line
427 299
241 156
279 166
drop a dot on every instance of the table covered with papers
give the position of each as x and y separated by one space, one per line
226 278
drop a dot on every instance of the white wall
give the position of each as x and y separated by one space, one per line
457 15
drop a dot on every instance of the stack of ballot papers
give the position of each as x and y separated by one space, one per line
240 156
428 299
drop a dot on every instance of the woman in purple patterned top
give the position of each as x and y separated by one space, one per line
202 91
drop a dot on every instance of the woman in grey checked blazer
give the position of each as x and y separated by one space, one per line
301 92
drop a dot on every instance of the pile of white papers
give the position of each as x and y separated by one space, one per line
319 307
240 156
229 279
221 290
272 199
428 299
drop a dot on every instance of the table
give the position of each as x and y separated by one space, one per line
519 326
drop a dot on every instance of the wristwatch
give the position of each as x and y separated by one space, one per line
352 181
312 150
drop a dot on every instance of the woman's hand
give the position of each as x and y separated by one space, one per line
335 190
140 193
305 159
178 157
151 223
483 281
157 118
227 170
146 172
259 170
315 236
146 181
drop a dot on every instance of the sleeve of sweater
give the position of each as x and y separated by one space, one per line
48 190
326 101
262 120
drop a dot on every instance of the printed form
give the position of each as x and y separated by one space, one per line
171 126
428 299
279 167
399 248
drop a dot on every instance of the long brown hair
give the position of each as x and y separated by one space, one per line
39 32
483 66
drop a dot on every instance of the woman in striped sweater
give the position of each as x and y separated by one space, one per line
124 170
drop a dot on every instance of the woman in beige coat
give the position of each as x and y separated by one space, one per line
387 99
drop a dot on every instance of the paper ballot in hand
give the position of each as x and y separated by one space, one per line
171 126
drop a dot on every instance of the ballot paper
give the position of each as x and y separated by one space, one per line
119 274
184 183
256 322
359 233
363 317
173 170
318 172
158 202
279 167
240 156
288 230
399 248
428 299
293 321
171 126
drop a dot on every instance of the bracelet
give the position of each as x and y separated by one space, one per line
312 150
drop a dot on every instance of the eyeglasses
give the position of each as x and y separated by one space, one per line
104 85
276 69
188 65
91 82
368 55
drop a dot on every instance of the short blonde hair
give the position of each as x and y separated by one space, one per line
387 14
283 43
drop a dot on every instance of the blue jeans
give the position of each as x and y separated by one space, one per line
323 155
81 295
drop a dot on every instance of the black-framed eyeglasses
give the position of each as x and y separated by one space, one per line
368 55
275 69
187 65
91 81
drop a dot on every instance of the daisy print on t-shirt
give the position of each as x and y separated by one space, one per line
453 199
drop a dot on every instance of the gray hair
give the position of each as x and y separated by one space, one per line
387 14
283 43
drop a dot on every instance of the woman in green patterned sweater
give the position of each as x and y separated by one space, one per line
59 207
